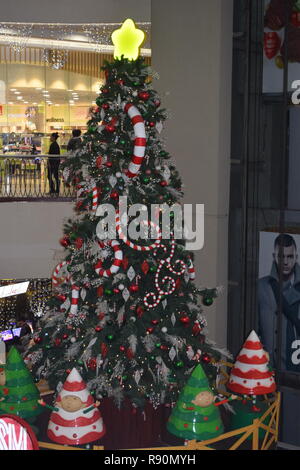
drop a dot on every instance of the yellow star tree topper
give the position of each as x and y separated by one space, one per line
127 40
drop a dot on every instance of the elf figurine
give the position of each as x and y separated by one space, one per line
75 418
196 415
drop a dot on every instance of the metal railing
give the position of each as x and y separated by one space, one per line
26 177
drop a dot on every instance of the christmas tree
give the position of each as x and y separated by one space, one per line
19 393
195 415
126 312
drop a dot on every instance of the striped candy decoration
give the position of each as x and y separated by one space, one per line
74 299
134 246
56 279
118 257
95 198
139 141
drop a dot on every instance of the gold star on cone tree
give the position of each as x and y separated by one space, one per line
127 40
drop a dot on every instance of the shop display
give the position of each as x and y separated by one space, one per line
19 395
75 418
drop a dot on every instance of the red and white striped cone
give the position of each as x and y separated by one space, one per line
118 257
250 374
140 140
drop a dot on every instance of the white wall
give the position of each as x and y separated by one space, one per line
29 237
192 52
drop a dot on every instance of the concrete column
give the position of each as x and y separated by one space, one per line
192 52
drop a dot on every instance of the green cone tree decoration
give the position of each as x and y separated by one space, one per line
19 392
190 421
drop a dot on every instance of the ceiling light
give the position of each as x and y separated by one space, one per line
70 90
34 103
10 102
19 97
26 102
17 92
12 89
38 88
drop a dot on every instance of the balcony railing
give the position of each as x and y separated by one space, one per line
26 177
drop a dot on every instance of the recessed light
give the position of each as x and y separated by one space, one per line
70 90
26 102
17 92
10 102
19 97
34 103
12 89
57 104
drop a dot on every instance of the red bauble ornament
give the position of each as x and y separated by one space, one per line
140 310
134 288
125 263
100 291
103 350
92 364
178 283
150 330
37 340
157 103
205 358
120 82
155 322
61 297
65 336
78 243
145 267
122 348
163 183
185 320
99 161
151 124
98 329
65 241
105 106
148 171
57 341
108 164
116 291
110 128
164 347
78 205
144 95
68 371
114 195
105 90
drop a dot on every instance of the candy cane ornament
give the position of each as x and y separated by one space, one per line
118 257
56 279
74 299
134 246
140 140
96 193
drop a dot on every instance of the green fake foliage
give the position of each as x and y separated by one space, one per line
136 342
20 393
201 423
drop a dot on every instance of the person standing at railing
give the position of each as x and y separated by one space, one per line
53 164
75 140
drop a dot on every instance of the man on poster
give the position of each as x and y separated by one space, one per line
284 278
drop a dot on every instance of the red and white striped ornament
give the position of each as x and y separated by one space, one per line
56 278
74 299
118 257
140 140
134 246
250 374
95 198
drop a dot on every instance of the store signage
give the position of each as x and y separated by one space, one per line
13 289
16 434
55 120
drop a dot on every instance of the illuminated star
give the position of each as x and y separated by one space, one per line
127 40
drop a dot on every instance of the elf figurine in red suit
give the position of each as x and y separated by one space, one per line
75 418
